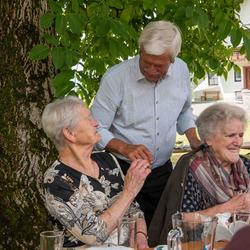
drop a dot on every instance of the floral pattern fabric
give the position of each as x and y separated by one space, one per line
76 200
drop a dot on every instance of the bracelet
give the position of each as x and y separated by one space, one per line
141 232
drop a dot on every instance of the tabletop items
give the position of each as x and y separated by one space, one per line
51 240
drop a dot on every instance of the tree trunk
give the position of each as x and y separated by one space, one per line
25 152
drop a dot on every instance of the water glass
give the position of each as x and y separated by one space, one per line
51 240
127 233
192 231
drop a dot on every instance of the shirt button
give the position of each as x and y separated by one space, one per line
156 102
158 133
157 149
158 118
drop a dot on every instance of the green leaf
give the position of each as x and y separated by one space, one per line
160 6
102 26
203 20
224 29
189 11
56 6
235 37
219 17
200 73
116 4
75 6
246 40
180 13
113 49
127 14
39 52
62 83
213 63
69 58
75 23
65 39
60 24
58 57
50 39
148 4
46 20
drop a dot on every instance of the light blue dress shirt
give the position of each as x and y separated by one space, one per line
136 111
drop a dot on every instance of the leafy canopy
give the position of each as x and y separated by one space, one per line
92 35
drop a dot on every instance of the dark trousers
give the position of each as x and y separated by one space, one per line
152 189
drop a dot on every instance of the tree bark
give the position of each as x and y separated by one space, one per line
25 152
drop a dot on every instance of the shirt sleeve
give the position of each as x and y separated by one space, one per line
186 118
74 211
105 106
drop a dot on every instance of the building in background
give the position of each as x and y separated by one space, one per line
237 86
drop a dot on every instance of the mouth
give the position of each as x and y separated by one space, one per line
234 150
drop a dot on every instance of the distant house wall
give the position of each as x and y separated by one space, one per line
231 87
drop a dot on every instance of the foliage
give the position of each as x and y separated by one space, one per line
96 34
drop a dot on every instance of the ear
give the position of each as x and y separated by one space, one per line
68 135
208 141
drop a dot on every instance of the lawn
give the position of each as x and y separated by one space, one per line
182 140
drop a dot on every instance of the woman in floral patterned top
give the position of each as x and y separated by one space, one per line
84 191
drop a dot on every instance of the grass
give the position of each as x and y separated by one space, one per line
181 139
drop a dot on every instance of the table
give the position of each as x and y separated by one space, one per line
196 246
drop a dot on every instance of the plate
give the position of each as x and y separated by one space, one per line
110 248
161 247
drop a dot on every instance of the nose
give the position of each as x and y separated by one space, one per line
151 69
95 123
238 140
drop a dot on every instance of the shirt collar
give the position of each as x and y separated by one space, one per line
140 76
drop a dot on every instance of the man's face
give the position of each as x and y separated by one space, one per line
154 68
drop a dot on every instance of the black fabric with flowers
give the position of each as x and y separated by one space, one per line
76 200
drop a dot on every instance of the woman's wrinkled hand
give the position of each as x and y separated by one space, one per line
136 175
239 203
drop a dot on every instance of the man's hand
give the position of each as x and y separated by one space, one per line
130 151
192 137
139 151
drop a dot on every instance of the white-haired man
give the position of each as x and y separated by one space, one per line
140 105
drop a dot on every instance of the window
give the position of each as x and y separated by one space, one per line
212 79
237 76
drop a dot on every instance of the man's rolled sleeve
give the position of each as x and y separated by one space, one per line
106 137
185 121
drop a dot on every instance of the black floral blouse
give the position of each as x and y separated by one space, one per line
195 197
76 200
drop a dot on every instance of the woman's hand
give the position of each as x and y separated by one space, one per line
141 241
136 175
239 203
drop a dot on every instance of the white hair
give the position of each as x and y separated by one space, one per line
62 113
160 37
216 116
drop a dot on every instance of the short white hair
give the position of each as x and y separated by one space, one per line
160 37
60 114
216 116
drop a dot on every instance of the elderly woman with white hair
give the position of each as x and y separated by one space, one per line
85 191
213 179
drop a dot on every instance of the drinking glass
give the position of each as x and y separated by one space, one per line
51 240
192 231
127 233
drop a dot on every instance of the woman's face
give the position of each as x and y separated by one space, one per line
86 129
227 141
